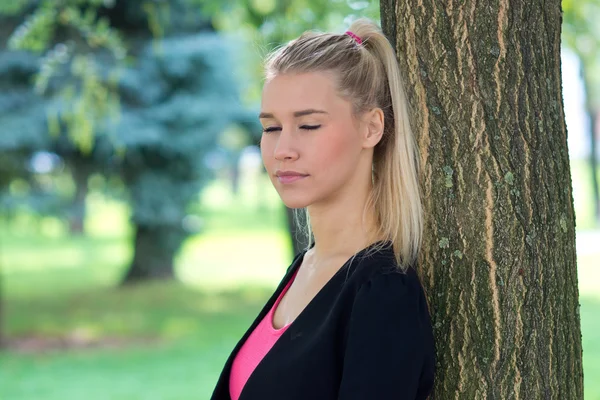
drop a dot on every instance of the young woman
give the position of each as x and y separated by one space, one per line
349 320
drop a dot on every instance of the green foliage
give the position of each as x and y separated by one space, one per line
262 25
38 29
36 32
580 23
91 101
14 7
152 119
85 98
581 33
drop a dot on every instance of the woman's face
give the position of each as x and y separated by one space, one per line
310 145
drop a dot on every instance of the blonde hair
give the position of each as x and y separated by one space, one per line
368 76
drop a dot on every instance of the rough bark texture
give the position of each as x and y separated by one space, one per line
498 260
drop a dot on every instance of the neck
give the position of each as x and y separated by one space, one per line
341 228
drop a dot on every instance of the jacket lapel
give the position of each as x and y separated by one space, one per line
221 391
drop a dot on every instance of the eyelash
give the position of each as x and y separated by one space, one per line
306 127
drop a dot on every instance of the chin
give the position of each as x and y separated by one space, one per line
295 203
294 200
293 197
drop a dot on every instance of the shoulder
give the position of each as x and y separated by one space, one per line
384 295
380 269
372 270
377 284
388 341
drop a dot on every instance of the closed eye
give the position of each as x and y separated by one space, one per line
305 127
310 127
271 129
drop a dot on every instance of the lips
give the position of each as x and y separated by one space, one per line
287 177
291 178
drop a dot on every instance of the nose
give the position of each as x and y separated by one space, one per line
285 148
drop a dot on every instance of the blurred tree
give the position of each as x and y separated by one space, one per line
23 132
150 117
68 36
581 33
54 46
498 260
189 98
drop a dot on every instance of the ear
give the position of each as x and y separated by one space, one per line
373 121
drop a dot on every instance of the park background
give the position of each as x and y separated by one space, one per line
139 235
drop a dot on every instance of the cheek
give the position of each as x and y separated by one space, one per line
337 151
265 151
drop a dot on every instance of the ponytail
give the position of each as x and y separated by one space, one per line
396 194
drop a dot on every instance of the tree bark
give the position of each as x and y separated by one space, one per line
498 259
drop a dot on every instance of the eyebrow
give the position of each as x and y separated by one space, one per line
297 114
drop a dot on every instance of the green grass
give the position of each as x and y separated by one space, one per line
164 340
179 340
590 331
175 372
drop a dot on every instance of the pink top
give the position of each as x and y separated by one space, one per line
258 344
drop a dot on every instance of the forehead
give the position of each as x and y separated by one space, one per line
287 93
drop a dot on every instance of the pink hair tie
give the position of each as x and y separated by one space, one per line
355 37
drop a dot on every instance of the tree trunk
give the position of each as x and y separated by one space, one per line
154 251
81 174
498 259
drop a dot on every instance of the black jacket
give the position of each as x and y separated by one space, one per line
366 335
